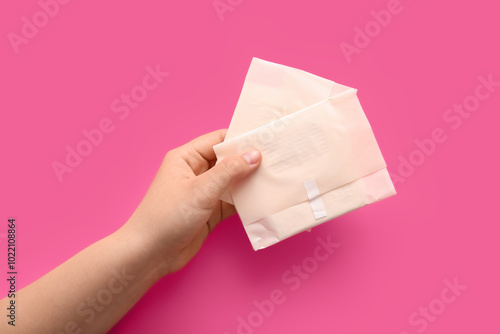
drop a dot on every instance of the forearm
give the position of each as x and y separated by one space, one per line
90 292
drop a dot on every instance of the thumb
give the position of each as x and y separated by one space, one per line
220 177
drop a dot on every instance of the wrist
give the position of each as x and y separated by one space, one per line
140 251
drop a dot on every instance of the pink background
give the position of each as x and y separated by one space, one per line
394 255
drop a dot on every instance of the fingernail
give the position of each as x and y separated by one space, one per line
252 157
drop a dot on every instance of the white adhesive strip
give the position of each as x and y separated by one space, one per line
314 198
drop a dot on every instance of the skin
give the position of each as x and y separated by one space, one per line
91 291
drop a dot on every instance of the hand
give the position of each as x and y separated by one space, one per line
182 204
168 227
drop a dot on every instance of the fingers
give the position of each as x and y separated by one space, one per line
203 145
217 180
219 213
199 153
227 210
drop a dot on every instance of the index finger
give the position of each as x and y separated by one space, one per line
199 153
204 144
